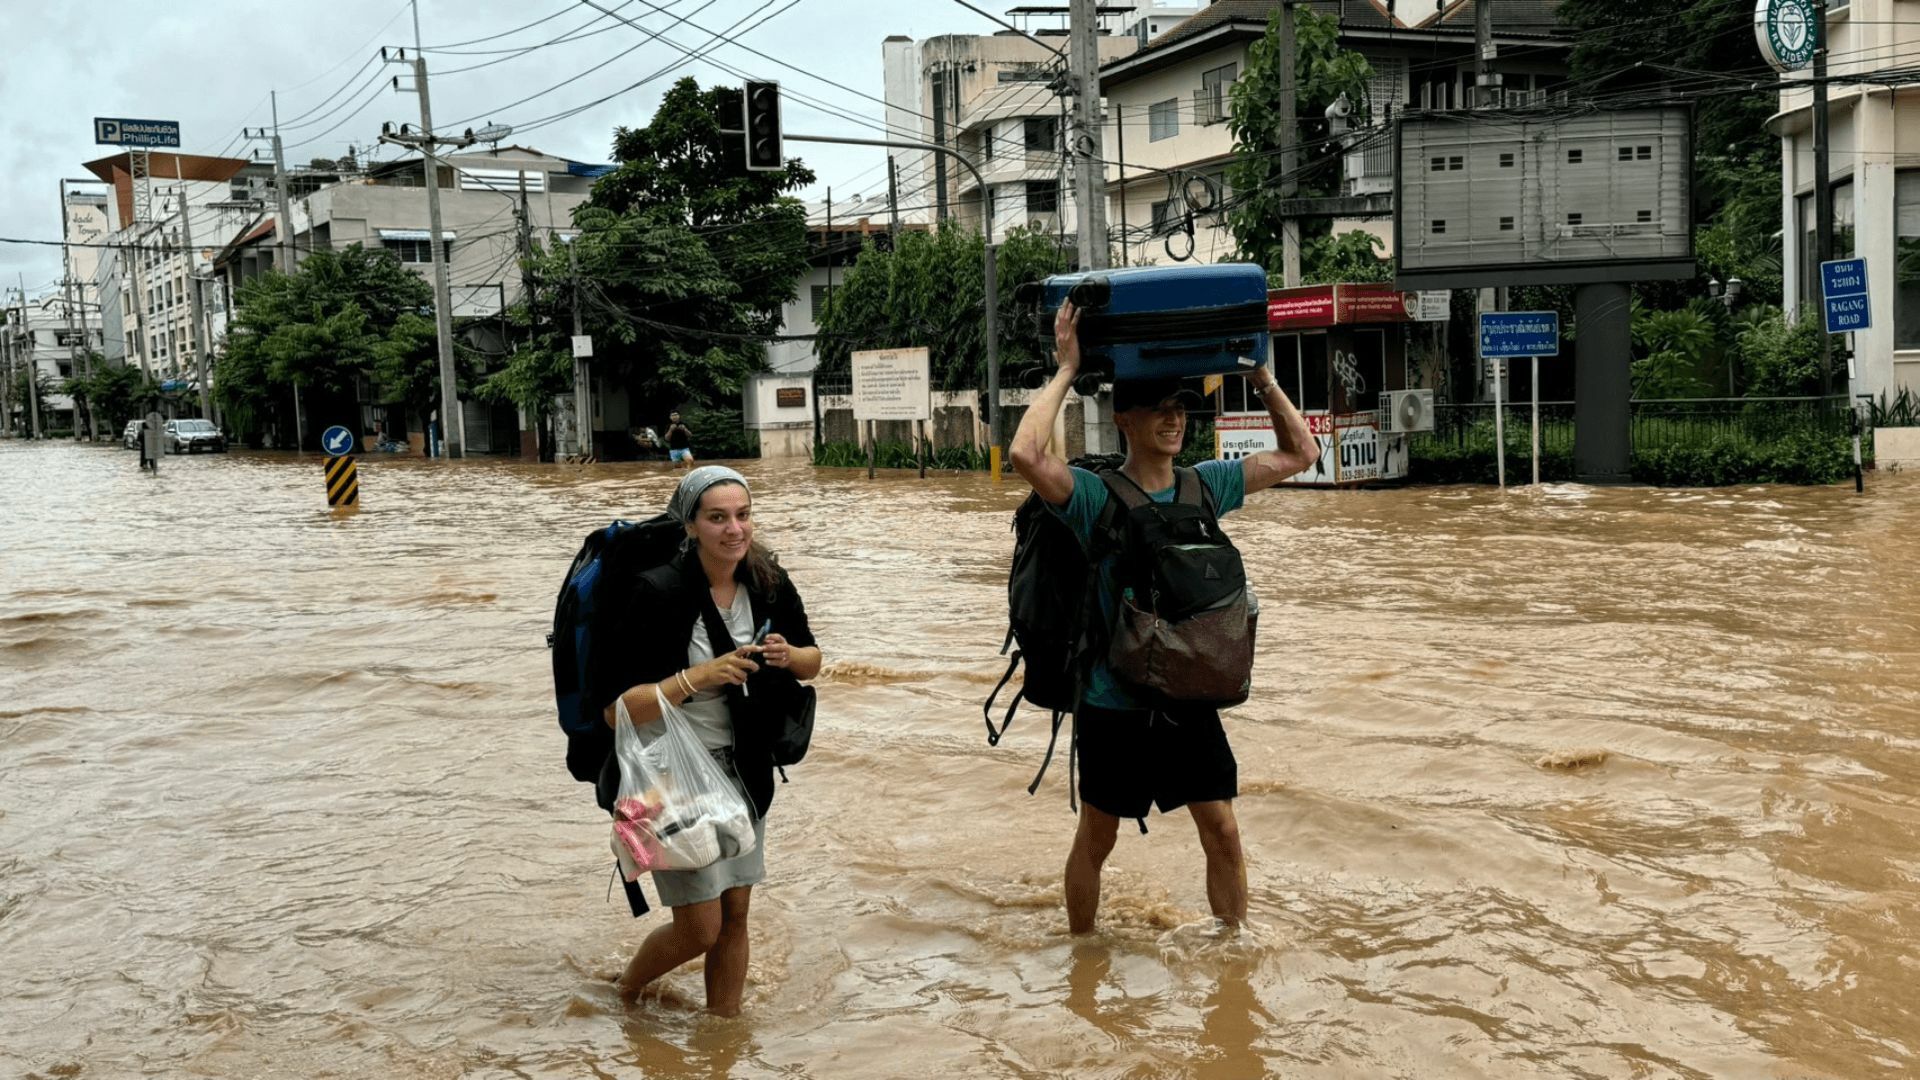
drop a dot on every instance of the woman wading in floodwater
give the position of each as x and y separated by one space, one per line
661 642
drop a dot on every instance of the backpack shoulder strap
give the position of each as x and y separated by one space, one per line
1192 489
1121 486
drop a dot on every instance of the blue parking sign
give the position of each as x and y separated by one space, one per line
1843 288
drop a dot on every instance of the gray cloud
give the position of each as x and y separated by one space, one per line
210 63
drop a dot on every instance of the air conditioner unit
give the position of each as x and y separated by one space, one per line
1402 411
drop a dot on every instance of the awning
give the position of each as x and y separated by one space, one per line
414 234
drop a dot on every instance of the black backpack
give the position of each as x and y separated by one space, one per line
1049 604
608 556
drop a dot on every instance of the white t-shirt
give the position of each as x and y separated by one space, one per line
708 708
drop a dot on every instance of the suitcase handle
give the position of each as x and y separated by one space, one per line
1236 345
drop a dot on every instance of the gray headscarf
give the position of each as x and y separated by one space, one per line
686 498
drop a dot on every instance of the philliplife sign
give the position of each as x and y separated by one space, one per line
119 131
1787 31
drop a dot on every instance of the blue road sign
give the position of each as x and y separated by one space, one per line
119 131
337 441
1508 334
1843 285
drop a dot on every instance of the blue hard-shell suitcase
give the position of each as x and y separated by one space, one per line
1156 322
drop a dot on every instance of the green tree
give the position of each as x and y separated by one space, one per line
1633 46
1324 72
684 258
1346 257
115 392
341 315
930 291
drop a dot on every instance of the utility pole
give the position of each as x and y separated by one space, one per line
1485 83
1120 137
1089 174
893 205
198 333
1289 146
1486 95
582 376
33 365
940 140
286 258
1822 180
453 424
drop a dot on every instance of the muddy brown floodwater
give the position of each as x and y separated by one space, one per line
1585 783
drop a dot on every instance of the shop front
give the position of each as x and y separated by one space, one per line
1337 349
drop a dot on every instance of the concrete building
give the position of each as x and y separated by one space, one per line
143 288
1874 187
44 333
993 98
1169 144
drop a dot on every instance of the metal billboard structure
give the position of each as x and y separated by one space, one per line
1487 199
1591 197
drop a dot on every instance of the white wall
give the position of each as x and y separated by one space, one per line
798 357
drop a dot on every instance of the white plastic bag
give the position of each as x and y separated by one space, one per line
677 810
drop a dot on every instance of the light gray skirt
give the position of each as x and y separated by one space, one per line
678 888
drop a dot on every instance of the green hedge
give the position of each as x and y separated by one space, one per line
1446 463
898 455
719 433
1796 458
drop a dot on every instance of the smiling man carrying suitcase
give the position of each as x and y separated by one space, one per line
1171 626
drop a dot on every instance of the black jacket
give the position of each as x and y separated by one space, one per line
644 640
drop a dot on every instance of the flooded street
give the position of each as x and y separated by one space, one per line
1585 783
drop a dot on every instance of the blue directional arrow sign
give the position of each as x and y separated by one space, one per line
1508 334
1843 286
337 441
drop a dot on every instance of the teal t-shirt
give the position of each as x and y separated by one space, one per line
1228 485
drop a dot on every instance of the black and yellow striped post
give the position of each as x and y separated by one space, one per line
343 483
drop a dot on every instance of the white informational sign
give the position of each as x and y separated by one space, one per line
1434 305
892 384
583 345
1364 453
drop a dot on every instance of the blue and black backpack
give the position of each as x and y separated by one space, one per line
609 556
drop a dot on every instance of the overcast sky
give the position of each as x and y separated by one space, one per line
209 64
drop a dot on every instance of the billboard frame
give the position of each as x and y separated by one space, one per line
1541 272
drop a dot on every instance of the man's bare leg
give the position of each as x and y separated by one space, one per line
1226 865
1092 843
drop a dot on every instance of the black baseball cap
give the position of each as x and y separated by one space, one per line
1153 394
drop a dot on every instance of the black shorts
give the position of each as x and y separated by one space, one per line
1133 761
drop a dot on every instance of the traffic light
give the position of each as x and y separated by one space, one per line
763 127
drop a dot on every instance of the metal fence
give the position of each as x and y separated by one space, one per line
1655 424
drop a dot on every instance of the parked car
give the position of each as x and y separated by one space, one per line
193 436
130 437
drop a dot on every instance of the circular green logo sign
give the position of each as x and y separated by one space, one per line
1787 32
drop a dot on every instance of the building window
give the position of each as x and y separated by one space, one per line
1644 217
1643 153
817 302
1506 161
1439 228
1906 260
1163 216
1043 196
1626 153
1573 219
1506 224
1042 133
1163 120
1213 91
1574 157
1456 163
417 251
986 143
1842 196
1438 164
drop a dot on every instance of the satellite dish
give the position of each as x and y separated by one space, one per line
493 133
